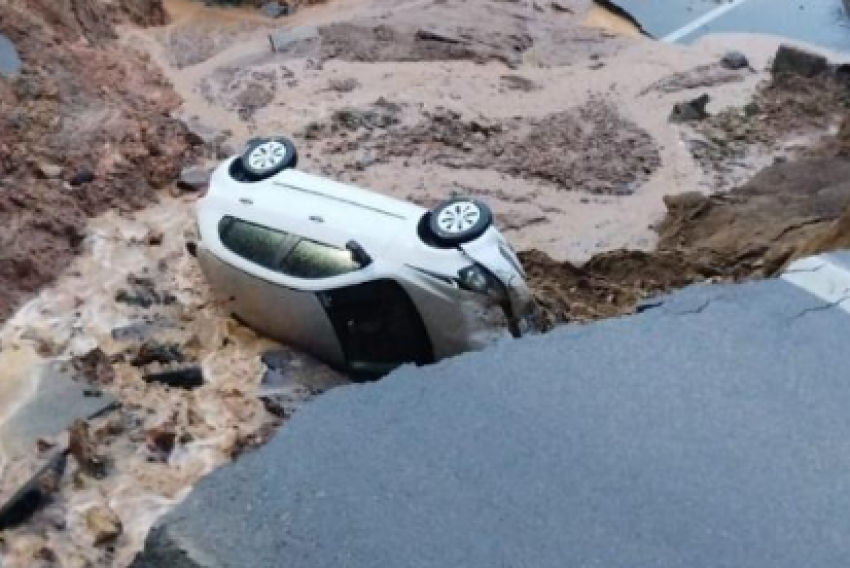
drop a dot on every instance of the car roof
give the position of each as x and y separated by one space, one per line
318 208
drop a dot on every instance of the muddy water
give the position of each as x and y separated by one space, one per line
80 313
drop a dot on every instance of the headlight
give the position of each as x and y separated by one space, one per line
478 279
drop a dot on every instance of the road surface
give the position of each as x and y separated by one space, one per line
818 22
710 431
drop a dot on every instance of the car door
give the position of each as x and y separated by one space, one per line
244 276
379 327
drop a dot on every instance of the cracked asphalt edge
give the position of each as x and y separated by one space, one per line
825 276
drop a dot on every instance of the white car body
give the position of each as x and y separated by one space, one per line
305 312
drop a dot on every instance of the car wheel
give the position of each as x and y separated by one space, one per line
459 221
265 157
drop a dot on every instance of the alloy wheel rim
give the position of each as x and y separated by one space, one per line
459 217
267 155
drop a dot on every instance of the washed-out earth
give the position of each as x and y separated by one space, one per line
583 134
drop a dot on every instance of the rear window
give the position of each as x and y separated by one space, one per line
258 244
310 259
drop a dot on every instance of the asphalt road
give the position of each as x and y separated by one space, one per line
710 431
819 22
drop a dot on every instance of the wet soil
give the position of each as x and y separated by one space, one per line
786 211
123 311
83 128
591 148
790 116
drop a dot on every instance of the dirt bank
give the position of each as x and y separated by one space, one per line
786 211
83 128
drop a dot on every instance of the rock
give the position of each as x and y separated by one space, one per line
690 111
10 61
161 440
142 293
281 40
434 34
194 178
82 177
343 85
275 10
34 493
794 61
153 351
95 366
735 60
154 238
103 524
519 83
83 448
560 6
188 378
50 171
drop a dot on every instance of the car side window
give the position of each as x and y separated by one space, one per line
256 243
310 259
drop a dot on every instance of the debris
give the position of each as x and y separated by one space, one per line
194 178
275 10
95 366
103 524
34 493
83 448
153 351
142 293
58 399
281 40
10 61
276 359
343 85
519 83
690 111
50 171
140 331
795 61
162 440
735 60
188 378
700 77
154 238
82 177
434 34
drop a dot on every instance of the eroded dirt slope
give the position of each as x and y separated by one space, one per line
84 128
786 211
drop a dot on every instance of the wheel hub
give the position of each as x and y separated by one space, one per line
267 155
459 217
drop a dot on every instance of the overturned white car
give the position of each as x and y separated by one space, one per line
363 281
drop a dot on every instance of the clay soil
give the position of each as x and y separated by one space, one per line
787 211
84 128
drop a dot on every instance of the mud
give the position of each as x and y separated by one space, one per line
83 128
131 465
786 211
513 32
788 117
591 148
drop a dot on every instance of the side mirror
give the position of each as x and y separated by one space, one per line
358 253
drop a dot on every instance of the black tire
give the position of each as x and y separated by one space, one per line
458 221
265 157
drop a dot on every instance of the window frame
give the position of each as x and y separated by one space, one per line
284 250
